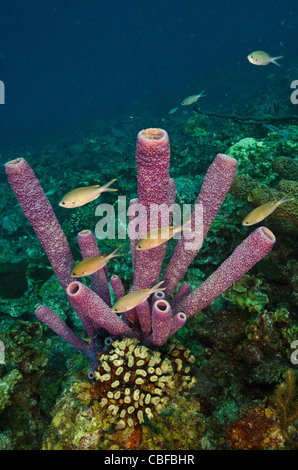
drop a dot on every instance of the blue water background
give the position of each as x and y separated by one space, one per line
71 65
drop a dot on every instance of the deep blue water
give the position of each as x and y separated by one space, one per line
67 64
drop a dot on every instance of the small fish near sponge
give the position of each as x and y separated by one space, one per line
261 212
80 196
156 318
91 265
245 188
285 201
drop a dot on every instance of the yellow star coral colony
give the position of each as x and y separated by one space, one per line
134 382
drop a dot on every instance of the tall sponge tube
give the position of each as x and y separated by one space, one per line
255 247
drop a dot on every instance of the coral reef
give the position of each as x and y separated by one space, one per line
246 188
242 349
80 422
256 156
286 402
250 153
26 359
77 422
155 187
13 280
245 294
257 181
286 167
268 425
258 429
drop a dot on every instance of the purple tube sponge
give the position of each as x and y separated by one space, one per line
153 165
40 214
178 320
217 182
255 247
94 307
88 246
161 322
155 319
132 211
144 317
159 295
117 286
154 187
182 292
53 321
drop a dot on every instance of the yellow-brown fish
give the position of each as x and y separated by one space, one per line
261 212
80 196
262 58
192 99
160 235
131 300
91 265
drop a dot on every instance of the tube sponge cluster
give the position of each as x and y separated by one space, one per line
153 321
